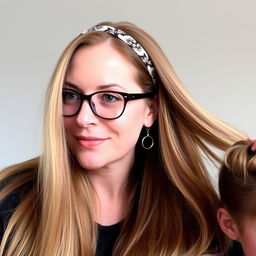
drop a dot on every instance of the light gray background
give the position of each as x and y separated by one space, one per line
211 44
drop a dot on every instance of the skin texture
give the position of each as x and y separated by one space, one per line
246 234
106 148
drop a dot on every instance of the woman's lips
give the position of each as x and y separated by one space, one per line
89 142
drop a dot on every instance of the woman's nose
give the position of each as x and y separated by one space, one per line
86 116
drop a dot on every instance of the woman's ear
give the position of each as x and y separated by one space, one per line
227 224
152 112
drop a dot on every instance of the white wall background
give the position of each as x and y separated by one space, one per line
211 44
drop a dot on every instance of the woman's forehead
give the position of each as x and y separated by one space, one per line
101 64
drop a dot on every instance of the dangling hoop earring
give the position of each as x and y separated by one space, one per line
150 140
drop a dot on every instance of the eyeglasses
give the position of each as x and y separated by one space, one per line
108 105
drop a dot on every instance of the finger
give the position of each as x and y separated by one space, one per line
251 139
253 148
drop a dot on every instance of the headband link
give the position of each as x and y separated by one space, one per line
131 42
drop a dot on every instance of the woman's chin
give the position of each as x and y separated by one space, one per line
90 165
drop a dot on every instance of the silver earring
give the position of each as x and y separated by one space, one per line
147 141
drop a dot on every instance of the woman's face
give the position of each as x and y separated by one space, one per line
95 142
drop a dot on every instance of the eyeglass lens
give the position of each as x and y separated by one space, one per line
104 104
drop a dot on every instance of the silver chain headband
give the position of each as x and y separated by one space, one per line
130 41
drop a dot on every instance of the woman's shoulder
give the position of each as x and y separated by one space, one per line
9 203
16 175
16 178
15 181
21 169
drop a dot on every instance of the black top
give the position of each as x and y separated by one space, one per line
7 206
107 235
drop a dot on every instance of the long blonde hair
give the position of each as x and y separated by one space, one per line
172 202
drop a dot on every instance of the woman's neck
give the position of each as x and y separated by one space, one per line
111 192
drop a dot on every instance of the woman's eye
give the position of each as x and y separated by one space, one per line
69 96
107 97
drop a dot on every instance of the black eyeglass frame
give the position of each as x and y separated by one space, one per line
127 97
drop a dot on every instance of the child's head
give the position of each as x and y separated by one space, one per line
237 187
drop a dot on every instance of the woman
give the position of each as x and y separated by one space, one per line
122 169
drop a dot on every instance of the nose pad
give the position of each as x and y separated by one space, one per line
86 115
93 105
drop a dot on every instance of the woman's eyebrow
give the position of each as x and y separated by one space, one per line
100 87
69 84
107 86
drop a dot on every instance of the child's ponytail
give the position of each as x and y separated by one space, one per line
240 160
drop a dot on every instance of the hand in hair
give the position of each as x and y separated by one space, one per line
252 139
